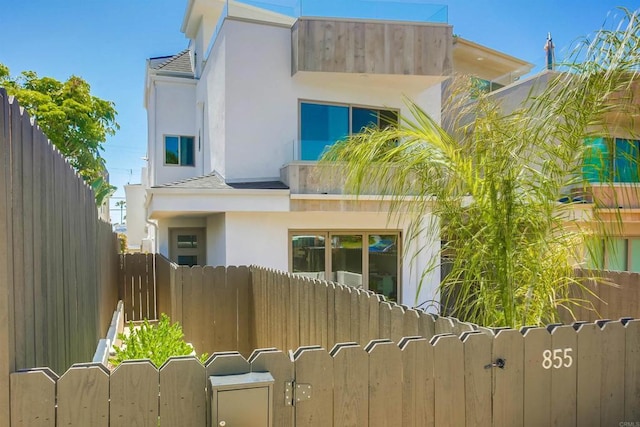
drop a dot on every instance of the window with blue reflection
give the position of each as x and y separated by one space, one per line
178 150
626 160
320 127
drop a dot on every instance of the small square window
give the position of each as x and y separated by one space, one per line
178 150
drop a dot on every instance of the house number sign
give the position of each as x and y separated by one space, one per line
557 358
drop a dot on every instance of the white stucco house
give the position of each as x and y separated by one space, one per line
237 121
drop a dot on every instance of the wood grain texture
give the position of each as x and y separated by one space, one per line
477 379
537 379
632 371
448 368
282 369
134 395
182 393
350 386
33 398
385 385
418 380
371 47
613 363
6 268
83 396
588 358
563 379
508 394
315 366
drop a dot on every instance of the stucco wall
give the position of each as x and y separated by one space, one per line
260 98
175 114
136 215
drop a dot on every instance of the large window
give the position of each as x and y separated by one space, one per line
360 259
178 150
611 160
322 125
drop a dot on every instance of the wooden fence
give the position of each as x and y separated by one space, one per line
577 375
616 295
137 286
58 261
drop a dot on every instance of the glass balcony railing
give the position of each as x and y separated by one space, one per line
383 10
387 10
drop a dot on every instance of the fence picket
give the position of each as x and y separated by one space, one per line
33 398
613 362
448 368
134 394
315 366
17 246
418 393
83 396
350 385
385 384
477 379
226 314
182 393
384 319
426 325
563 378
589 374
632 371
397 323
207 314
508 395
537 394
282 370
7 328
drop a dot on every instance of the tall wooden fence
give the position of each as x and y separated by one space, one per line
58 261
615 294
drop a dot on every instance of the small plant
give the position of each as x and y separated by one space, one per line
154 342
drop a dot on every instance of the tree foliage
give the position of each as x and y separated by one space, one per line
489 181
75 121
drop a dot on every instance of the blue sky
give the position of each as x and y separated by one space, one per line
107 42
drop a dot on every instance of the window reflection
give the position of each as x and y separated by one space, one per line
308 255
383 265
346 259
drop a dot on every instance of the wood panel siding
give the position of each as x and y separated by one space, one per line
374 47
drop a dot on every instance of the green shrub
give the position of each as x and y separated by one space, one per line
154 342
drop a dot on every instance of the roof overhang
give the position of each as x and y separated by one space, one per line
171 202
489 64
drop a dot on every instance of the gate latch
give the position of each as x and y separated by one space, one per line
499 363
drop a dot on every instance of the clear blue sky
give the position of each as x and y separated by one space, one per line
107 42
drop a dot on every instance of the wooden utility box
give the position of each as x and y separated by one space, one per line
244 400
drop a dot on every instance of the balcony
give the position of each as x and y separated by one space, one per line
371 47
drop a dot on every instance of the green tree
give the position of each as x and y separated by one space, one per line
75 121
492 178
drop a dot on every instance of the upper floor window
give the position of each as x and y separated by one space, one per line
178 150
322 125
611 160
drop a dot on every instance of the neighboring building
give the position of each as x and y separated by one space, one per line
238 120
610 197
